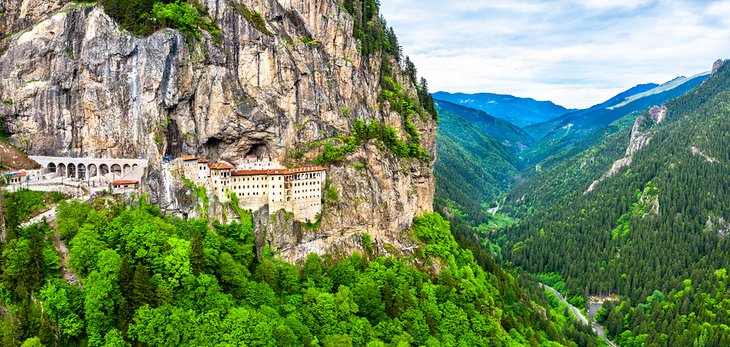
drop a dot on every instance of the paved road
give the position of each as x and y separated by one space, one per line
593 308
576 312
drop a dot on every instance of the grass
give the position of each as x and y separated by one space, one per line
254 18
309 41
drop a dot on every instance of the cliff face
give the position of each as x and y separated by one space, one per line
73 83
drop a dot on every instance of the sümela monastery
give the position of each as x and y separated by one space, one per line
256 182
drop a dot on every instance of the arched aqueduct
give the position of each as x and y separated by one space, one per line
88 168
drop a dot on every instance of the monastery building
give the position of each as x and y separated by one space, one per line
260 182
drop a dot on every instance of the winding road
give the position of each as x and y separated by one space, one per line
576 312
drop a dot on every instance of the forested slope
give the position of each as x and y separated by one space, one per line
654 233
571 128
149 279
472 167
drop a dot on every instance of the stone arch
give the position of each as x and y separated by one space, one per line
81 171
92 170
134 166
62 169
116 169
51 167
71 170
103 169
127 168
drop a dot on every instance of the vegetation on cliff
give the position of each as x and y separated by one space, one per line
142 17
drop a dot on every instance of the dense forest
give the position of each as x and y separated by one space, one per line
655 233
472 167
137 277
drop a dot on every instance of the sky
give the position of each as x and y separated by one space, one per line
576 53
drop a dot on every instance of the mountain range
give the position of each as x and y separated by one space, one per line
518 111
626 201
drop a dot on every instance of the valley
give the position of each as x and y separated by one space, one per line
279 173
601 206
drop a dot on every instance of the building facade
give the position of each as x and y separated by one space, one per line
260 182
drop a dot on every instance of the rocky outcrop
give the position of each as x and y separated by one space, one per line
73 83
717 65
697 152
640 137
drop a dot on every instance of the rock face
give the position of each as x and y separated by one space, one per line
717 65
640 137
73 83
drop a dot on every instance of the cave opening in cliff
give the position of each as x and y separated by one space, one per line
175 141
212 147
260 150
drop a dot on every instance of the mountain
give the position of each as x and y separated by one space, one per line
642 214
311 82
518 111
563 132
508 134
472 166
129 79
539 130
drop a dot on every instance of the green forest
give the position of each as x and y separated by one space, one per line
655 233
143 278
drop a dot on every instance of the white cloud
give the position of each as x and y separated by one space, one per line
575 53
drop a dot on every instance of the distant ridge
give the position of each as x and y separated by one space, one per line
508 134
518 111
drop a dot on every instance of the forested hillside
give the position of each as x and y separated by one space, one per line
149 279
472 167
508 134
569 129
655 233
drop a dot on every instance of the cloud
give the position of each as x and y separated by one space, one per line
574 52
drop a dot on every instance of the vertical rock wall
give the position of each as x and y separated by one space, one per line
73 83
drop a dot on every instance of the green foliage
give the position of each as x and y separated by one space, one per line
142 17
184 17
309 41
155 280
655 235
472 167
202 194
371 29
332 153
254 18
23 204
365 131
331 193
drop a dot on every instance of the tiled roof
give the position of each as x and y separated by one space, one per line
221 166
187 158
203 160
121 182
276 171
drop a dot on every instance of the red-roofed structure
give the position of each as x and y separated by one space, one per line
125 184
220 166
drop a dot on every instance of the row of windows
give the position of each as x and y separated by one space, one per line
305 190
252 187
309 183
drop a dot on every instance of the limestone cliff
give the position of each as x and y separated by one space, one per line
73 83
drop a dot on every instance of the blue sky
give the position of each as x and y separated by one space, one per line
576 53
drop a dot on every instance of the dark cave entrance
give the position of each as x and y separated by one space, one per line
260 150
174 139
